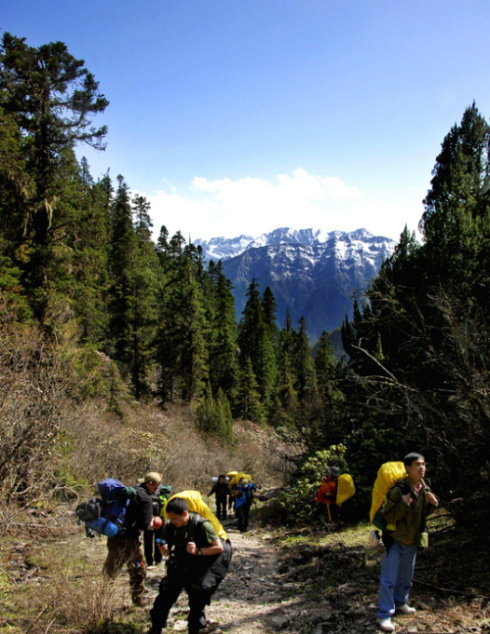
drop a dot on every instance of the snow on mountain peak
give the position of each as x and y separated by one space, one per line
341 241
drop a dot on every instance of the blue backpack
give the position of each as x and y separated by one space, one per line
112 507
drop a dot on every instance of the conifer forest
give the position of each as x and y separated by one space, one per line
89 300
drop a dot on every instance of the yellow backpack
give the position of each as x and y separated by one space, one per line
238 475
345 488
388 474
197 505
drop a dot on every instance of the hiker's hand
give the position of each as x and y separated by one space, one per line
163 548
191 548
431 499
407 499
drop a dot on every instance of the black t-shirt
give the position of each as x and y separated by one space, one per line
139 513
197 530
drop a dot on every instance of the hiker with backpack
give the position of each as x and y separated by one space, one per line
326 496
159 498
404 511
244 496
124 548
222 492
199 556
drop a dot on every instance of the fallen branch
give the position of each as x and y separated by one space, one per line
444 529
469 595
299 570
37 618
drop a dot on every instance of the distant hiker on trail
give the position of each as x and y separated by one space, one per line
326 496
222 492
244 495
198 561
125 547
159 498
406 507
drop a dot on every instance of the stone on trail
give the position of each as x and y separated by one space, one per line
279 621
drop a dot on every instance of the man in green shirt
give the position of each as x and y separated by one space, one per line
407 505
198 561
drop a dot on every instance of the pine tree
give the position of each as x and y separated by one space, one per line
51 97
92 247
249 404
194 369
304 366
331 397
286 406
145 283
15 189
255 343
182 353
122 258
269 310
223 346
214 415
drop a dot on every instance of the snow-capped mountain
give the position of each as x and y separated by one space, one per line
311 273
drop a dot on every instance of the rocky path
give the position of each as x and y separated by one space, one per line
251 599
278 581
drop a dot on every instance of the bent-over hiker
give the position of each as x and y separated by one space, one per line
407 505
125 548
198 561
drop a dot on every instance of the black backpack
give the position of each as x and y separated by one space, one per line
89 510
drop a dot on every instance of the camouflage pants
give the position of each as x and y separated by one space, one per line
125 551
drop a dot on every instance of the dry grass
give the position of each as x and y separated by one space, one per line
101 445
54 447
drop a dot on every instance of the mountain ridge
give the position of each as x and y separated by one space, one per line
312 273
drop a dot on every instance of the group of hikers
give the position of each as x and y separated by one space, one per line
184 530
234 490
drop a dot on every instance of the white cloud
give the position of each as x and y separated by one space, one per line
300 200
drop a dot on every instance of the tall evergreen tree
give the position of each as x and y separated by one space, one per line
255 343
182 353
249 403
122 259
51 96
223 346
331 397
286 406
413 364
145 295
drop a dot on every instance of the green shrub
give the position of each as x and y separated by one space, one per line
298 500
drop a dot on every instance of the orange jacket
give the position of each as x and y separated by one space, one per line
328 491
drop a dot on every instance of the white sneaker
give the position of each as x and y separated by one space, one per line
405 609
386 624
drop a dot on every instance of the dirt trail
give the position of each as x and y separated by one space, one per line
251 599
260 595
304 581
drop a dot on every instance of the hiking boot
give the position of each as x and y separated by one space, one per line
141 602
386 624
405 609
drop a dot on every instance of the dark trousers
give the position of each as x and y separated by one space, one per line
199 585
242 513
152 552
221 507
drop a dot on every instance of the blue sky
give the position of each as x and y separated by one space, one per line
240 116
